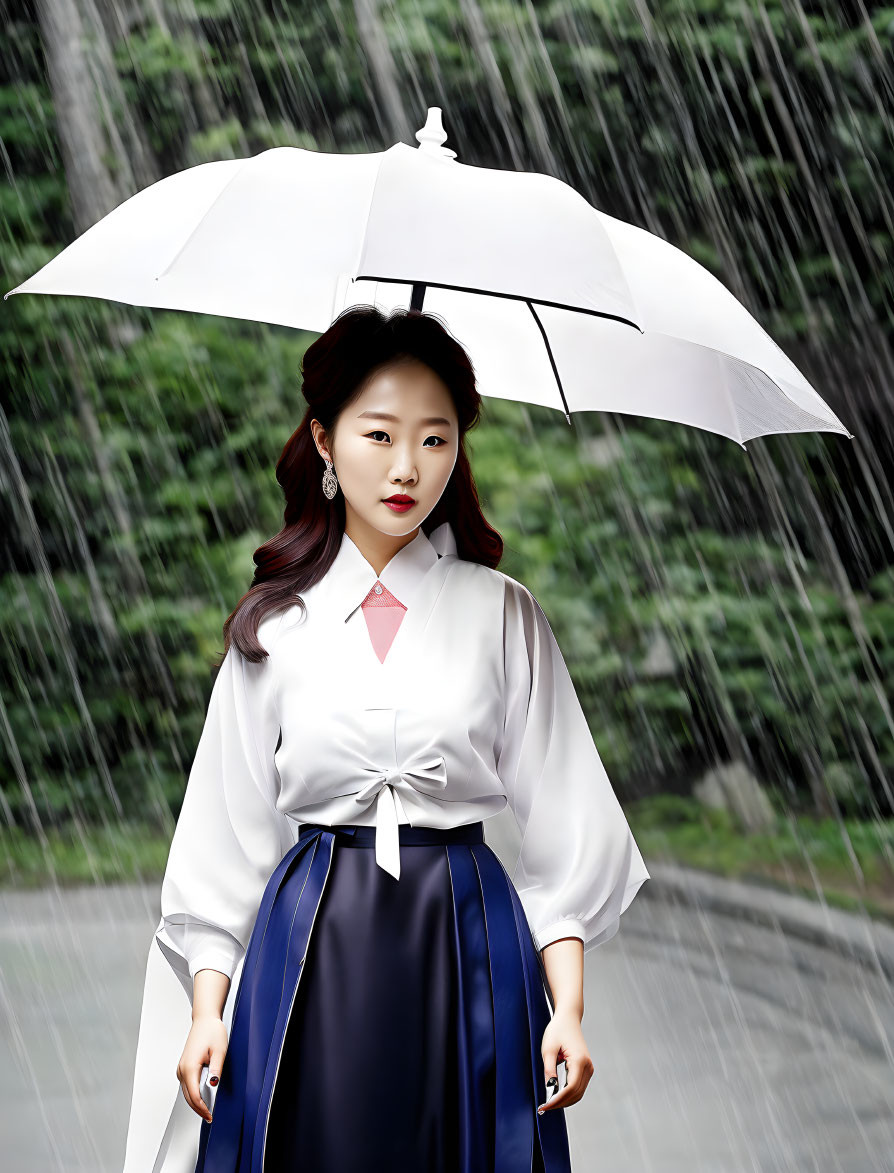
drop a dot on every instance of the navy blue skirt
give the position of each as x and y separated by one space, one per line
385 1024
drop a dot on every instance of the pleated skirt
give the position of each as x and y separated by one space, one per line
385 1024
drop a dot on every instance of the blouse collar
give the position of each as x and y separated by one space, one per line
350 578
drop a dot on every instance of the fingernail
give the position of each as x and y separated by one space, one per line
539 1111
213 1080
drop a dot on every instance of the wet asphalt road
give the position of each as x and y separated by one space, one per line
719 1046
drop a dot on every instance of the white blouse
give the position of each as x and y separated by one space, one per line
472 709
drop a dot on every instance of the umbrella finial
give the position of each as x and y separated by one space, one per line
433 135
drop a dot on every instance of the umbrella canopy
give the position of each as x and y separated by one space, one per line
557 303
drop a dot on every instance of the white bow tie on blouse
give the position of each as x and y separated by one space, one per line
429 776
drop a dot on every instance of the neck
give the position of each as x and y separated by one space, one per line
377 548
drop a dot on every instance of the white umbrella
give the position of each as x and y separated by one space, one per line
556 303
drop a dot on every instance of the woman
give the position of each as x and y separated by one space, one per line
384 690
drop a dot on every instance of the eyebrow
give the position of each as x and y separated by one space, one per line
384 415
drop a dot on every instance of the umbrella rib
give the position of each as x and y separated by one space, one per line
418 296
552 360
236 173
559 305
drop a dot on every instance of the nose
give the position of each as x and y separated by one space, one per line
403 470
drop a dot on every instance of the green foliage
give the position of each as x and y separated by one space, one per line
121 853
850 860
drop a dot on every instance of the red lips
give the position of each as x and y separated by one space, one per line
400 499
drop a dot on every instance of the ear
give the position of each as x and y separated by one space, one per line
319 437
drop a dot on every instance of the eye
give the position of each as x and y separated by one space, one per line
440 439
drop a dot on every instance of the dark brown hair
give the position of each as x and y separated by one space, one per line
335 369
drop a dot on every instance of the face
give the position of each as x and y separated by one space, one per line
400 436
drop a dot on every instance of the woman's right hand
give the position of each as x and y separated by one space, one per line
206 1045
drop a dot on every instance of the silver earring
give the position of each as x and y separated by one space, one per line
330 481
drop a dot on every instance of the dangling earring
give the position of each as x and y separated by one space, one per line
330 481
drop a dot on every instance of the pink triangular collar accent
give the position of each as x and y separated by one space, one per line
384 615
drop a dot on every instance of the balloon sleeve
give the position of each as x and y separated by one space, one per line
579 867
229 835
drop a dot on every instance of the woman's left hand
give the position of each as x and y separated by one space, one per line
563 1040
